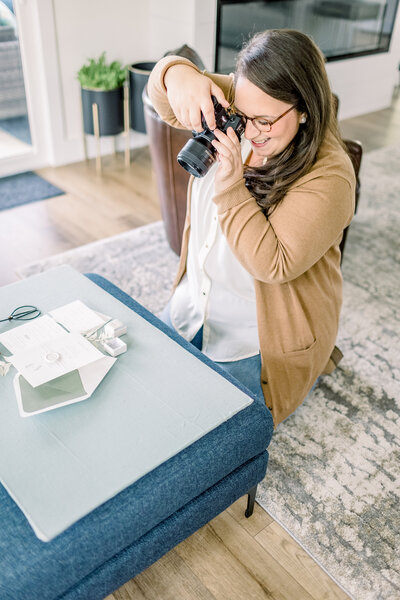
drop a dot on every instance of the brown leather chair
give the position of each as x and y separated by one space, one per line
354 150
165 143
172 179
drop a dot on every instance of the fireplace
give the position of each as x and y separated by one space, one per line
341 28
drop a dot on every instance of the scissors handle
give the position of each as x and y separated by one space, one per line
23 313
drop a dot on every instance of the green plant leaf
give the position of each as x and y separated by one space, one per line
97 74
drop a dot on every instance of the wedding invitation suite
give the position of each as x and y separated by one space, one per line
56 364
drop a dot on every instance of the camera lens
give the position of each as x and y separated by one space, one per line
197 156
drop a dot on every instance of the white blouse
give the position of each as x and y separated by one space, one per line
216 291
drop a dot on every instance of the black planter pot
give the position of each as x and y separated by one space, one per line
138 76
110 108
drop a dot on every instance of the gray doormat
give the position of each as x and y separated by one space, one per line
24 188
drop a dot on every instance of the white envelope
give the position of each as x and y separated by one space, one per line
76 316
56 357
75 386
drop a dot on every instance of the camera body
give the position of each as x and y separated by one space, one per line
198 154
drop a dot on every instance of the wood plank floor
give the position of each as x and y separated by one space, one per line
92 208
234 558
231 558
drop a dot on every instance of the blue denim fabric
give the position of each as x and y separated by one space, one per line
246 370
169 533
104 549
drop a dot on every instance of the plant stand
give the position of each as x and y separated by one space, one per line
97 135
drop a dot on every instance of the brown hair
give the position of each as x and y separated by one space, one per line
287 65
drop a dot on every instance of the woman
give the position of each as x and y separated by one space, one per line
259 280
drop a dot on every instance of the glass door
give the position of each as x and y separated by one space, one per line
15 134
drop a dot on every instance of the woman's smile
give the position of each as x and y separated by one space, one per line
259 143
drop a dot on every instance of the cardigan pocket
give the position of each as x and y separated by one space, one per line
293 320
293 353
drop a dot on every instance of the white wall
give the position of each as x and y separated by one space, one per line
130 31
177 22
84 29
171 24
59 35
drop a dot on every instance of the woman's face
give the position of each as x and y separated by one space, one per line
253 102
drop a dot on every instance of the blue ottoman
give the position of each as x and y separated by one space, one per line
122 537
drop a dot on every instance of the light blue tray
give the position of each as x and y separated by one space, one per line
156 400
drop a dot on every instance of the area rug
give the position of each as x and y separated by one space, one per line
140 262
24 188
333 480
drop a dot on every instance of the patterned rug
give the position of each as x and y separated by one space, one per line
333 479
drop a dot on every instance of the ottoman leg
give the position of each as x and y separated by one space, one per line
251 496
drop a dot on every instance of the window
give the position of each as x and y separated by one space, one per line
341 28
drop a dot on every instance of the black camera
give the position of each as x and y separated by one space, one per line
198 154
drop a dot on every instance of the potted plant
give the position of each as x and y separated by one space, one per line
102 84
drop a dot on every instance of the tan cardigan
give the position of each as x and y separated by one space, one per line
293 256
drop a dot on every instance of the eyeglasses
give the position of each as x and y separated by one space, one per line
262 123
23 313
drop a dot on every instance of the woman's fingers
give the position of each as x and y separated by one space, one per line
222 149
207 108
190 96
207 105
195 117
191 117
226 143
219 94
230 168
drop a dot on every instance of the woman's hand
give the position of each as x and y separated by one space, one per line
230 168
189 94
